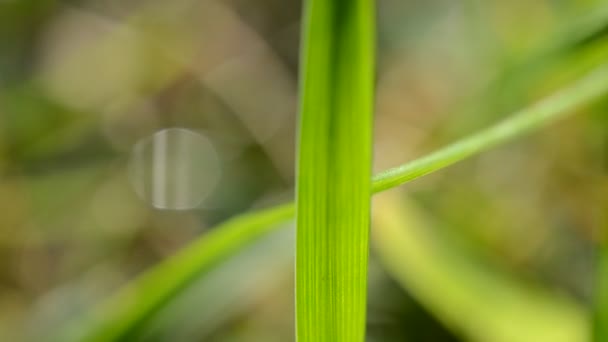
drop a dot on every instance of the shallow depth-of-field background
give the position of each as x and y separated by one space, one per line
83 82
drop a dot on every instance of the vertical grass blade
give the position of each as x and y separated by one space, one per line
334 170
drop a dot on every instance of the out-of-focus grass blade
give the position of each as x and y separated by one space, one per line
127 311
334 170
563 56
554 107
600 322
121 318
586 29
225 292
475 301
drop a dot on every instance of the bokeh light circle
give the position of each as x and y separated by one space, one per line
175 169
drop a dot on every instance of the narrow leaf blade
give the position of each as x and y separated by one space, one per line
334 171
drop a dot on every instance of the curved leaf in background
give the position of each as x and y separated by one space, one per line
473 300
600 322
123 315
600 326
576 46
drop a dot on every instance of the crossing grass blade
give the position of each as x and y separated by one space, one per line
123 316
556 106
334 170
124 313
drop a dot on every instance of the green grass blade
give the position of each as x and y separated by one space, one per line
600 319
121 317
552 108
448 283
129 309
334 170
561 58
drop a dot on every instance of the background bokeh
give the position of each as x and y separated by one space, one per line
82 82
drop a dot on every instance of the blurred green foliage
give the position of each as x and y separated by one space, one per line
81 82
